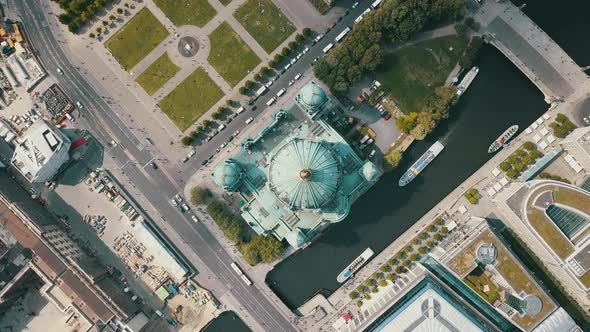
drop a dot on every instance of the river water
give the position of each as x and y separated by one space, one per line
227 321
499 97
565 22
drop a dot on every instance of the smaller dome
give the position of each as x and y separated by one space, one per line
227 175
312 97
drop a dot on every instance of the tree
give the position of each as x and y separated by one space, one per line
264 71
430 244
186 140
306 32
119 10
257 77
392 159
390 277
438 221
444 230
369 282
535 154
414 257
399 269
422 236
359 303
285 51
91 35
299 38
250 254
430 228
105 23
437 237
272 63
243 90
217 115
112 18
206 123
353 295
361 288
382 282
374 289
422 250
406 263
384 268
126 5
249 84
529 145
269 248
367 297
408 249
200 195
505 166
99 30
561 118
377 275
292 45
229 102
407 122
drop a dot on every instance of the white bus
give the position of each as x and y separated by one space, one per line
376 4
342 35
246 280
360 17
236 268
329 47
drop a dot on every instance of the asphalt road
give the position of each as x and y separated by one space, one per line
208 149
133 160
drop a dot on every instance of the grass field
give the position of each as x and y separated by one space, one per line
157 74
411 74
191 99
229 55
265 22
137 38
187 12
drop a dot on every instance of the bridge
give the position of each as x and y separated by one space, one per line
538 56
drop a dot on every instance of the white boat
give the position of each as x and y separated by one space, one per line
467 80
356 264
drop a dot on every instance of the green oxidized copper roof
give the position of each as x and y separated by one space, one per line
304 174
227 174
312 96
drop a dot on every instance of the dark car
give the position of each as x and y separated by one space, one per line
254 108
332 25
228 120
154 166
387 117
204 162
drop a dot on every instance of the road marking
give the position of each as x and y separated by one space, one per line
149 161
140 147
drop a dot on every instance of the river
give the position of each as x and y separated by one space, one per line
499 97
227 321
565 23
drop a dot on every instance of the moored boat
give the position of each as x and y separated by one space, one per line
355 265
421 163
503 139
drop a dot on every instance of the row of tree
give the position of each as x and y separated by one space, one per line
562 126
361 50
79 12
420 124
254 249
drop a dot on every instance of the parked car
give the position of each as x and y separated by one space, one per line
204 162
250 119
268 84
174 202
354 5
184 207
387 117
298 76
154 166
332 25
291 82
194 218
587 120
59 71
281 92
178 198
271 101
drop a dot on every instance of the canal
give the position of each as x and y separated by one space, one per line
499 97
565 23
227 321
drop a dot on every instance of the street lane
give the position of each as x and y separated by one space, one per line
196 237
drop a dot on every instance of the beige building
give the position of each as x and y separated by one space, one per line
577 146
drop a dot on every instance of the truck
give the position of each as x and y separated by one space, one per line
260 91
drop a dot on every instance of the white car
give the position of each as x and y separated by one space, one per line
587 120
268 84
185 207
223 145
291 82
271 101
281 92
250 119
299 56
354 5
59 71
194 218
293 60
288 66
79 104
178 198
306 50
236 133
298 76
192 153
174 202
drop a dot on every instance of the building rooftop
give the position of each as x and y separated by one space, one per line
41 151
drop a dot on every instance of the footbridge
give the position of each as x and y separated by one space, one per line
539 57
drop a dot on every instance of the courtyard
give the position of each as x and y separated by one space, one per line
231 57
136 39
191 99
413 73
265 22
157 74
187 12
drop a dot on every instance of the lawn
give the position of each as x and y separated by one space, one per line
550 233
265 22
573 198
157 74
585 279
411 74
229 55
137 38
477 280
191 99
187 12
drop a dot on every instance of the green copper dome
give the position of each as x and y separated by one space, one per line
312 97
227 175
304 174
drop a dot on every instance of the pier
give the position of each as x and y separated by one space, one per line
524 43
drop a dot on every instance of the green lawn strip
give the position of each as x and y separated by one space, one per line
191 99
412 73
157 74
229 55
137 38
265 23
187 12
